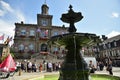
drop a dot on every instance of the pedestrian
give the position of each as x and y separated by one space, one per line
29 66
50 66
109 67
92 67
40 67
101 66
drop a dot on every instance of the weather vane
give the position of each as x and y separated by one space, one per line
45 1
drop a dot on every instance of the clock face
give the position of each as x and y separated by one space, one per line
44 23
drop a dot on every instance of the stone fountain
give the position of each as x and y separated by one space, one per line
74 67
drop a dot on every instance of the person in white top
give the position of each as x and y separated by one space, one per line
29 67
50 66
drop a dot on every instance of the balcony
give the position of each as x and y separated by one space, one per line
21 51
31 51
22 36
44 53
43 38
31 36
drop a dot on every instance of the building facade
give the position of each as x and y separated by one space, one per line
32 38
110 49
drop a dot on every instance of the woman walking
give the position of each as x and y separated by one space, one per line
109 67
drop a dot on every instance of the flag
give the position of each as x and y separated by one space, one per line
2 37
8 65
46 32
38 30
8 40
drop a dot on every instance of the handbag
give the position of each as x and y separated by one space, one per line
107 68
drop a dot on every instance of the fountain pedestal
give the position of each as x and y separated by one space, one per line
74 67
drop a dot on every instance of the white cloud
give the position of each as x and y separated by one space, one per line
2 12
112 34
5 7
19 16
115 15
13 15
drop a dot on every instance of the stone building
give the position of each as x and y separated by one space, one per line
110 49
32 39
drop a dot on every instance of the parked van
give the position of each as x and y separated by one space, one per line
93 59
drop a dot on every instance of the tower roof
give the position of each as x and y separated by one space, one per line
44 9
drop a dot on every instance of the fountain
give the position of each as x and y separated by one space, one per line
74 67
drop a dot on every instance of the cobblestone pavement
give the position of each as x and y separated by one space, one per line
116 71
25 76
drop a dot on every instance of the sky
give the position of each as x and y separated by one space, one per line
101 17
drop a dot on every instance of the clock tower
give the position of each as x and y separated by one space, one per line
44 19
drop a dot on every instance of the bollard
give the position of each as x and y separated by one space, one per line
20 71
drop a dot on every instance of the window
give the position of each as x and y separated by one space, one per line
115 44
44 47
31 47
104 46
42 34
21 47
23 32
109 45
55 49
44 22
55 33
32 33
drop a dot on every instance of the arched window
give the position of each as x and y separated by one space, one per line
44 47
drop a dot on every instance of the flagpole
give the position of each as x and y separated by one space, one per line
3 38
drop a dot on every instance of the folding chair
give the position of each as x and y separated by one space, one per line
4 75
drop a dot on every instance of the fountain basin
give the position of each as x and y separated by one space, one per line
93 77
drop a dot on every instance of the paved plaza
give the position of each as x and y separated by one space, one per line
26 76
